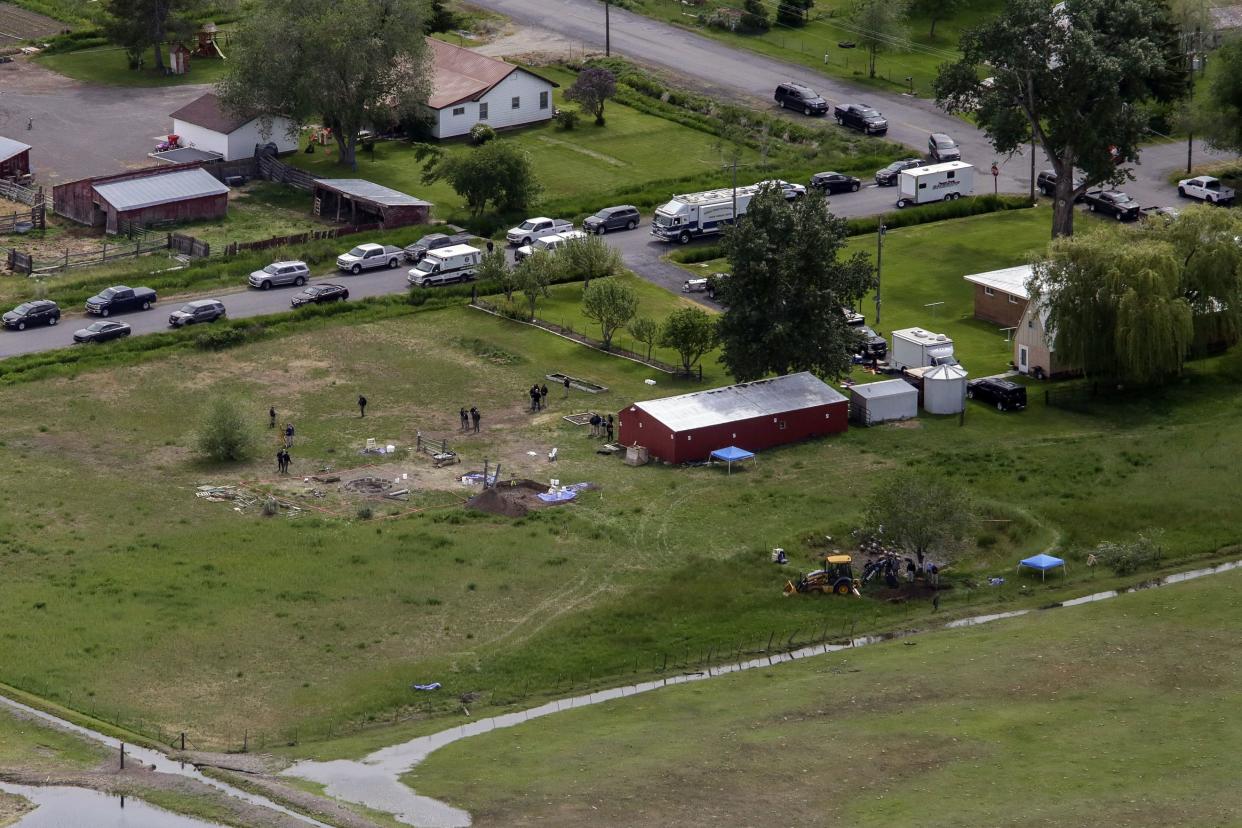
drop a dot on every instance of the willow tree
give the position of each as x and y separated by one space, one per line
350 63
1116 306
1205 243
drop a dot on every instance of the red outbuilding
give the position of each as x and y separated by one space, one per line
753 415
14 159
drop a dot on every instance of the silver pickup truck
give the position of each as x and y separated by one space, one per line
369 257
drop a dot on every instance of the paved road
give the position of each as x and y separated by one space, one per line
739 72
239 304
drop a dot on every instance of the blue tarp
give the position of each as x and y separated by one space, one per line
732 454
1044 562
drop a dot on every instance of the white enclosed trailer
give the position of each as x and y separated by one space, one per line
917 348
935 182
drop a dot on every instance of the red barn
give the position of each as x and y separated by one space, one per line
753 415
14 159
142 197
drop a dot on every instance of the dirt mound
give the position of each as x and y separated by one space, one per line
494 503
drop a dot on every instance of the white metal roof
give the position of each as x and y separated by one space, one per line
712 196
938 168
1011 280
779 395
922 337
885 388
360 188
10 148
153 190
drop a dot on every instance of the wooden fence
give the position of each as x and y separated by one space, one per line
108 252
30 196
34 217
276 170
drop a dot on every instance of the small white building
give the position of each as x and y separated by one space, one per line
203 124
469 88
873 403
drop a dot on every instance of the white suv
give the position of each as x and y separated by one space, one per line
279 274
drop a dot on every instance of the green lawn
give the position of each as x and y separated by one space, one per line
124 594
626 160
1118 713
109 66
260 210
28 746
816 44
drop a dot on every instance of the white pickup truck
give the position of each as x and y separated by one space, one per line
1205 188
368 257
534 228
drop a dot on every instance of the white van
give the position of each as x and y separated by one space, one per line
548 243
935 182
456 263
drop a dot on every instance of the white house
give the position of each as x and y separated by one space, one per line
205 125
470 89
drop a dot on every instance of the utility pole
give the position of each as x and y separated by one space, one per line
1032 166
879 257
607 29
1190 135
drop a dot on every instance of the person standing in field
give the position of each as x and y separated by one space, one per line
475 416
543 396
288 435
271 417
362 406
465 419
566 387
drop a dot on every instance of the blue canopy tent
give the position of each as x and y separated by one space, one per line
1043 563
732 455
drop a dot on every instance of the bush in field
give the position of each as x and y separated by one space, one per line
226 435
566 119
480 134
1144 552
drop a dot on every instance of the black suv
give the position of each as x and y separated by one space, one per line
621 217
803 98
871 345
38 312
1005 395
1046 181
835 182
888 176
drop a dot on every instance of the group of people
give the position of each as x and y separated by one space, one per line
282 455
890 567
282 460
538 397
602 426
470 419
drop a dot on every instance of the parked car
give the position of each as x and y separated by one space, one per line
861 117
1046 181
621 217
835 182
317 294
434 241
803 98
369 257
38 312
1112 203
889 176
101 332
791 191
870 344
279 274
533 228
120 298
200 310
549 243
1005 395
941 147
1205 188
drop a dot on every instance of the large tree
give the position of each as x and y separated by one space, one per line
611 304
787 288
138 25
351 63
592 89
690 332
1205 244
923 514
534 274
498 173
935 10
879 25
1072 74
1218 116
1116 306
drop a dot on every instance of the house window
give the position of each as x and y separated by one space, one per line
950 174
459 110
987 291
1030 323
543 100
1013 300
782 425
483 111
516 103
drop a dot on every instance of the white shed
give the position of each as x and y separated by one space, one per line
944 390
469 88
205 125
882 402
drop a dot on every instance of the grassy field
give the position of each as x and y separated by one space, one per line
1117 713
29 746
126 596
587 167
816 44
109 66
260 210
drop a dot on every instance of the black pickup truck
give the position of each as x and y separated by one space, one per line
118 299
861 117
